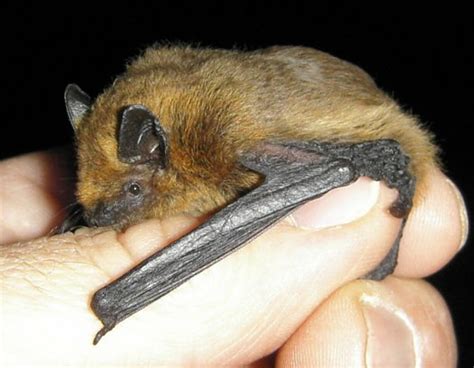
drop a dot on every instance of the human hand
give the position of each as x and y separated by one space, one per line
294 290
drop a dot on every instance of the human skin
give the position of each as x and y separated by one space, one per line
291 298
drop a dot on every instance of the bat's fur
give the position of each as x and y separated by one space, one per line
214 104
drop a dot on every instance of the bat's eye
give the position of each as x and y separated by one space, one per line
133 189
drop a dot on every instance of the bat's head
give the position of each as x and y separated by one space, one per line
139 161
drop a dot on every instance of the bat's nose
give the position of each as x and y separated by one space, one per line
102 215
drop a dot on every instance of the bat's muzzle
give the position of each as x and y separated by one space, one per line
103 214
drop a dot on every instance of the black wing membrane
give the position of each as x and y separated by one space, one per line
295 173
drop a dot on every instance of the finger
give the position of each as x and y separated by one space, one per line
436 229
393 323
34 189
235 312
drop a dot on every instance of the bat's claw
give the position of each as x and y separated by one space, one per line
101 334
73 221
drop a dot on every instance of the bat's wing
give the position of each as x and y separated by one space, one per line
294 174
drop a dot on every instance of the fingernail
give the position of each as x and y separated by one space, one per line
339 206
462 213
391 336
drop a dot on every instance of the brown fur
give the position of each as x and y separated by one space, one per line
214 104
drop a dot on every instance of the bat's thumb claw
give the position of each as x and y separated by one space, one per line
101 334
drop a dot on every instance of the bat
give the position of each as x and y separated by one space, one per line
244 136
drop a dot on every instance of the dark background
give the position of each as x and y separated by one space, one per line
421 56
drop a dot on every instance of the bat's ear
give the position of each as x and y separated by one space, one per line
78 103
141 139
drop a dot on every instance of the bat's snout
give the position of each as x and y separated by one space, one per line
103 214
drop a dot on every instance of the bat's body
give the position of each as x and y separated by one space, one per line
191 130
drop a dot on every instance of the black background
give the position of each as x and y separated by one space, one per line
422 56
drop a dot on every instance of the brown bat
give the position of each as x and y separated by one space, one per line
245 136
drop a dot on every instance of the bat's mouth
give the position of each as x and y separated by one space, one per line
100 216
118 213
105 214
